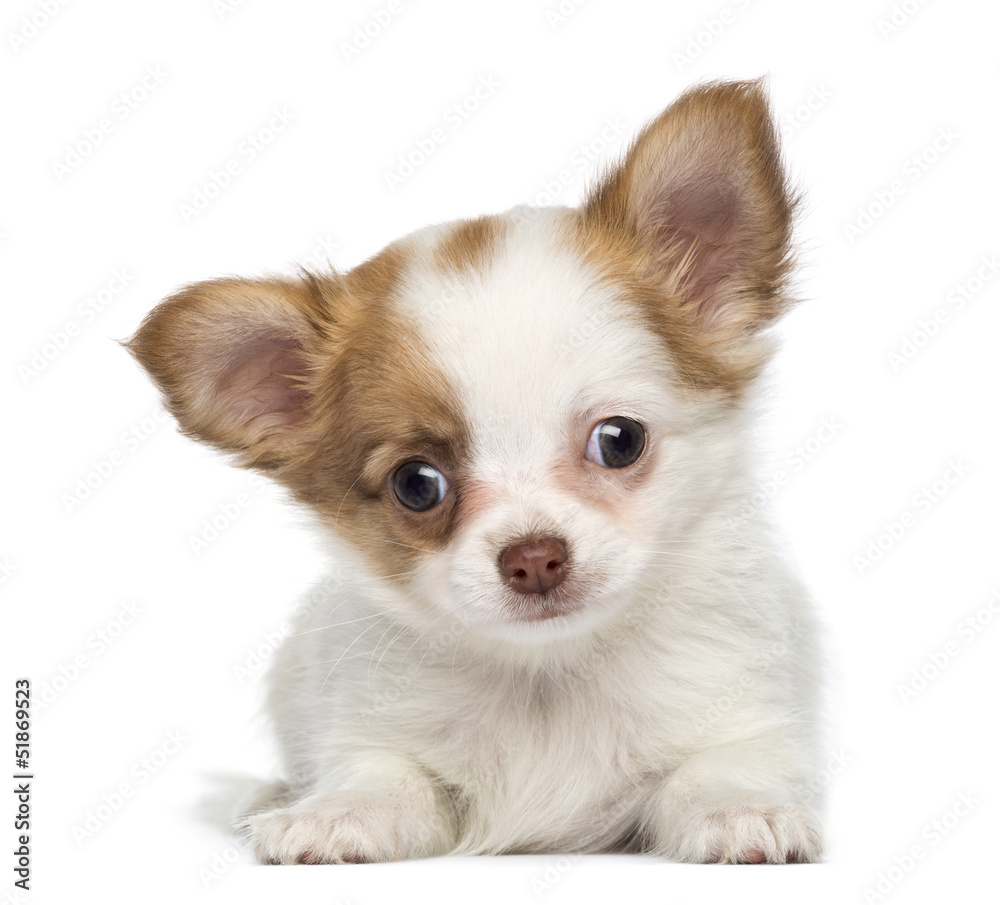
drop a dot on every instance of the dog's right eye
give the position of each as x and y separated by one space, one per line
616 443
419 486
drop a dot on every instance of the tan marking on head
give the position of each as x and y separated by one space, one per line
229 357
694 228
379 402
324 384
469 244
623 263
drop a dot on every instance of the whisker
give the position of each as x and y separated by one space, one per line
321 628
395 638
674 553
349 646
408 546
372 673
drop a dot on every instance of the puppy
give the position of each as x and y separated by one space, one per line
556 625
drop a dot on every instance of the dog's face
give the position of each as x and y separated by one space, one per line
512 418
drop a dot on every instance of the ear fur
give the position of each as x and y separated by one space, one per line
232 359
703 200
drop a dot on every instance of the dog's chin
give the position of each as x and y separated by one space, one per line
534 608
536 619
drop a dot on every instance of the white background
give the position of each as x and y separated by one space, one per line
75 405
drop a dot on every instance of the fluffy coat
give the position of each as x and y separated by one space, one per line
663 696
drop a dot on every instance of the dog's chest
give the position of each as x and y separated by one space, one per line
544 760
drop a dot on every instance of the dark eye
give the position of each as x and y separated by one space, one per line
419 486
616 443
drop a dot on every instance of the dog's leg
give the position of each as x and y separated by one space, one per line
389 810
734 805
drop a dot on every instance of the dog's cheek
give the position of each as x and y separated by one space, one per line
395 543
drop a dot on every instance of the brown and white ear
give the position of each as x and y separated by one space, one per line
704 193
231 358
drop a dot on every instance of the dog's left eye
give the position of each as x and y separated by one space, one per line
419 486
616 443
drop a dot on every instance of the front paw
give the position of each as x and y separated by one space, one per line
349 831
742 834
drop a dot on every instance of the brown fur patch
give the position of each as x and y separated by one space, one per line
469 244
322 382
694 226
378 402
623 263
364 399
189 342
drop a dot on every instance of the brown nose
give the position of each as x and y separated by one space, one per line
534 567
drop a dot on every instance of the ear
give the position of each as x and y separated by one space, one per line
703 197
232 359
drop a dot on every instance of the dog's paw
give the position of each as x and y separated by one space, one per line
353 831
294 836
747 835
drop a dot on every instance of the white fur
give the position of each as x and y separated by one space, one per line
674 712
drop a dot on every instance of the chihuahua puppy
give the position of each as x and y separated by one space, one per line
556 625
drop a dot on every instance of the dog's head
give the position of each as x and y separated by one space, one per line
512 418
